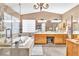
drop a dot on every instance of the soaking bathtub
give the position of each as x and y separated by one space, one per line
24 48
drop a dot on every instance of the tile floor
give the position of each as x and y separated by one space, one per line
54 50
40 50
49 50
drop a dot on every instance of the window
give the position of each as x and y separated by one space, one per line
28 25
14 21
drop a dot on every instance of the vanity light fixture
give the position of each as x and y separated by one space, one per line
41 6
55 21
42 21
74 20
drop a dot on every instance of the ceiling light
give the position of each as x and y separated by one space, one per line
41 6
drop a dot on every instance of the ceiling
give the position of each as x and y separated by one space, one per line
26 8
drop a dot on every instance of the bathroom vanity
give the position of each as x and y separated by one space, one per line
56 37
72 47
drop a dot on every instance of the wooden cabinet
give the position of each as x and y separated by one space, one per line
74 36
69 49
72 49
40 39
57 38
60 38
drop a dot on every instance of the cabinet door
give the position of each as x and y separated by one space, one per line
37 38
72 49
40 38
59 38
78 50
69 48
74 36
64 38
75 50
43 39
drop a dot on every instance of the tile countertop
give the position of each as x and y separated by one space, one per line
50 32
75 41
53 32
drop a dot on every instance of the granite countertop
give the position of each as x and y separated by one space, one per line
75 41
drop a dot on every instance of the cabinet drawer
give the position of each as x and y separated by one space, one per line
58 40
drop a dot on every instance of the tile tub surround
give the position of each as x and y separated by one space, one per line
37 50
14 52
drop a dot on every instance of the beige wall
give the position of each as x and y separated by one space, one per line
43 15
73 12
47 15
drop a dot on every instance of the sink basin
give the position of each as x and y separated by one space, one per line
77 41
